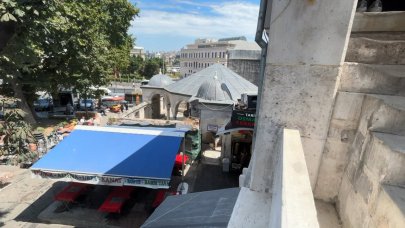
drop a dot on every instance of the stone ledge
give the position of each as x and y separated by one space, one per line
252 209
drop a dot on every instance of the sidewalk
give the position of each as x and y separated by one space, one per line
24 198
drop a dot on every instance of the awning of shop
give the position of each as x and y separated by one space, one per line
113 156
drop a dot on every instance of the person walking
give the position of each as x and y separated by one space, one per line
69 108
126 106
122 107
102 110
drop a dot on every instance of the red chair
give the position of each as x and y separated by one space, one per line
71 192
116 199
179 160
159 198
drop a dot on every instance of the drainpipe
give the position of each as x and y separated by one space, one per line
261 22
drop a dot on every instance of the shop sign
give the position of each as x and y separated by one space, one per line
242 119
212 128
101 180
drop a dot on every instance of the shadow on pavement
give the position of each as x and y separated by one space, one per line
211 177
30 214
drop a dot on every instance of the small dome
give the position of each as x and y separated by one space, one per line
160 80
214 90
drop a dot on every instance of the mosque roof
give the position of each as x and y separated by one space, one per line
214 83
160 80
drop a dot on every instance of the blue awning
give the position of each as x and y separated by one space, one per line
113 156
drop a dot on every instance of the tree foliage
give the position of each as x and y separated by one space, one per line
47 45
152 67
69 43
136 65
17 136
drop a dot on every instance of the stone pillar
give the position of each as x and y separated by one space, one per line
170 112
307 45
142 113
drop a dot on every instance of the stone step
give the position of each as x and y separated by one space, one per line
383 113
378 160
390 209
379 22
373 78
376 51
392 36
385 158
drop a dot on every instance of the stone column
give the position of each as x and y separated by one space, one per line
142 113
307 45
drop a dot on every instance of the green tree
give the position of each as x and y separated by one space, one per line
152 67
136 65
69 44
17 136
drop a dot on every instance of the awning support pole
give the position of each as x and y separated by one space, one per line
182 163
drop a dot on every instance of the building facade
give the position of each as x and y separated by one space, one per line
228 52
138 51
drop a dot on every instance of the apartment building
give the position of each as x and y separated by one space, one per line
206 52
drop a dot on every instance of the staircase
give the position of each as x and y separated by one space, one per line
366 141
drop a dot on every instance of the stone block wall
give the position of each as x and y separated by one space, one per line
249 69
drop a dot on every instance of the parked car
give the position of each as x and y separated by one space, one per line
42 104
115 108
87 104
144 82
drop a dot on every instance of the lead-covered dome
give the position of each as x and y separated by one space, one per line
160 80
214 90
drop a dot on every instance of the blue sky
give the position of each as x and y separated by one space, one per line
165 25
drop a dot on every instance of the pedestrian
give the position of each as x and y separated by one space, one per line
96 121
82 120
102 110
69 108
126 106
122 107
369 6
